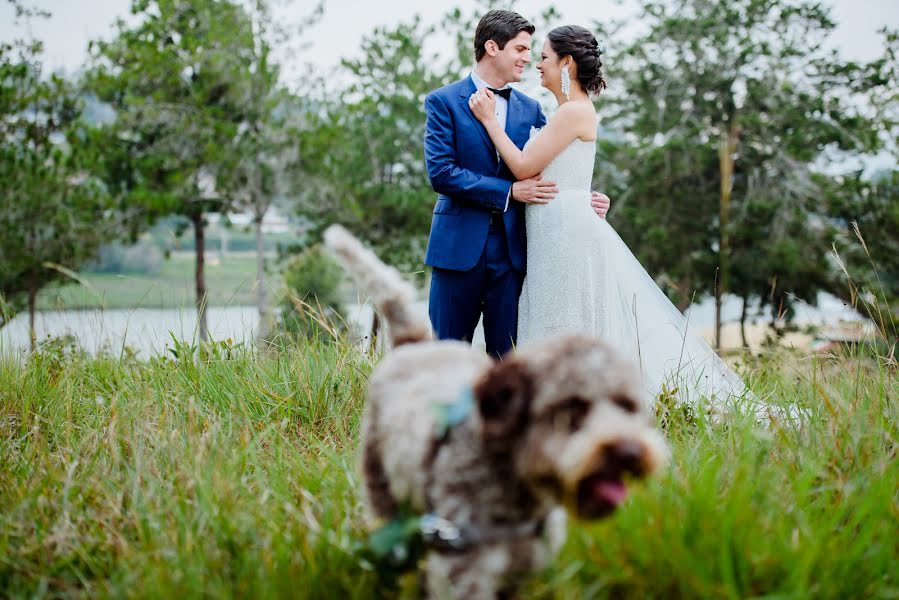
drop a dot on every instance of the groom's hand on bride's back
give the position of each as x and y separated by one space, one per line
600 204
535 190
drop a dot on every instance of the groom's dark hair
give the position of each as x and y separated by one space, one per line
499 26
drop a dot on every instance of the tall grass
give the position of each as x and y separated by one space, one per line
806 507
230 476
235 476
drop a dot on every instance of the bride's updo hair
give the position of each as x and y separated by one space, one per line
580 45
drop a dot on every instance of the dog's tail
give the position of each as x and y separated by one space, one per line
392 296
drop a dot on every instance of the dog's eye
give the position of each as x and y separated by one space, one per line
626 403
575 411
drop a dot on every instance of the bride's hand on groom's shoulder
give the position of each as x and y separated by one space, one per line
483 105
600 203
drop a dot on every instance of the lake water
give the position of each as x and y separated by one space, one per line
147 331
150 331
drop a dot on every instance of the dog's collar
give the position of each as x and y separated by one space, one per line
447 416
443 535
402 541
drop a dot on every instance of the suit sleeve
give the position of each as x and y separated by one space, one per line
489 193
541 118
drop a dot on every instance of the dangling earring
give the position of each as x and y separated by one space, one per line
566 83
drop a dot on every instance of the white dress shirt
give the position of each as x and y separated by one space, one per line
502 109
502 105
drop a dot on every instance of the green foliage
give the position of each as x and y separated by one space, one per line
54 212
181 78
754 71
173 79
7 311
312 300
883 76
867 209
23 11
365 152
868 247
142 258
262 159
779 252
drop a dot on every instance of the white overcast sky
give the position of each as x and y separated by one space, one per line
75 22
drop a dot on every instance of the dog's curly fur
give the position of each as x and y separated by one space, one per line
559 422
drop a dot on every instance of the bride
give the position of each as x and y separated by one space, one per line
580 274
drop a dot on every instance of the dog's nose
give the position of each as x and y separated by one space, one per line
628 456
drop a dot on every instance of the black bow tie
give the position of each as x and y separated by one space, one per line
505 92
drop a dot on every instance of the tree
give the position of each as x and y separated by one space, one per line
175 82
366 150
312 301
725 107
264 154
791 263
878 220
54 213
23 11
866 244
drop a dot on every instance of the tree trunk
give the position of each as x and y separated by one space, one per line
261 292
32 300
375 327
718 294
223 237
726 150
200 277
743 324
686 299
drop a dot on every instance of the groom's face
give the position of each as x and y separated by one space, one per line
514 57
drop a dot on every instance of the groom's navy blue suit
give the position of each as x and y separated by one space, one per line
477 246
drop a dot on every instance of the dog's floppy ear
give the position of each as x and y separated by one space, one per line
503 396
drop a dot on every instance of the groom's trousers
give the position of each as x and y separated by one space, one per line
491 288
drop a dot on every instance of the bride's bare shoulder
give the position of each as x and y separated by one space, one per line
581 116
577 107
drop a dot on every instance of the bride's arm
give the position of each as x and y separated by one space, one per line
566 126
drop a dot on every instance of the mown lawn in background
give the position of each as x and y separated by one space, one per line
229 283
236 476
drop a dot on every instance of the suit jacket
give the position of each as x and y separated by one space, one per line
470 181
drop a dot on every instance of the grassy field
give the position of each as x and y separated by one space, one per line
235 476
229 283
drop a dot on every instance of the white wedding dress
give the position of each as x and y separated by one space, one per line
582 277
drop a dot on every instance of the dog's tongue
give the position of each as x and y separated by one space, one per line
610 490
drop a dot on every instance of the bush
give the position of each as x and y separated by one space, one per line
311 306
142 258
8 309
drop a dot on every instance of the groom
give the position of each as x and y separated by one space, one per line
477 242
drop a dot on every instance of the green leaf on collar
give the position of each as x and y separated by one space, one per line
394 539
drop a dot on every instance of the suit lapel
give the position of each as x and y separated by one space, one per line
513 118
468 88
513 124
